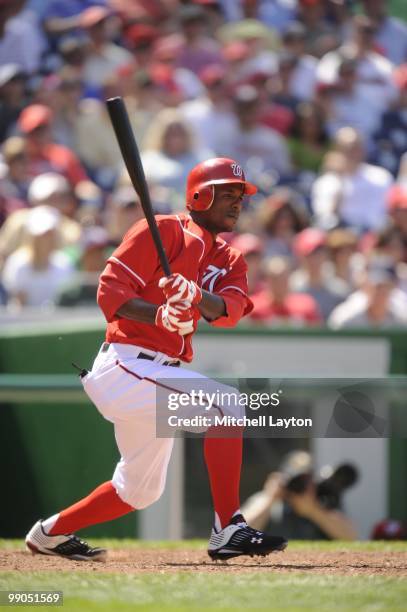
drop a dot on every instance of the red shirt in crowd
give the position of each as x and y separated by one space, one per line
296 309
133 270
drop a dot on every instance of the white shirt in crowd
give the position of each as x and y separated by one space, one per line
304 78
374 77
353 312
39 286
22 42
100 66
211 125
261 146
360 198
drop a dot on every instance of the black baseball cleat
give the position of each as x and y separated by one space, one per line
238 539
67 546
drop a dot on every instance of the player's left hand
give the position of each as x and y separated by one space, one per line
177 288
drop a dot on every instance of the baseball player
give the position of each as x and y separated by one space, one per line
150 323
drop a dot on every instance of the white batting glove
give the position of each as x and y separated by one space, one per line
176 287
176 317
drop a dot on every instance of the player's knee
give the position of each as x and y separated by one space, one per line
142 498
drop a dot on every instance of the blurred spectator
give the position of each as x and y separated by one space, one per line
44 155
33 274
47 189
303 75
276 305
82 287
104 57
292 502
257 147
66 109
347 262
276 14
391 33
175 83
21 41
390 140
90 203
122 211
314 277
346 103
378 304
62 16
252 249
197 49
12 97
281 216
210 115
350 191
397 206
170 153
15 182
320 36
374 72
308 141
281 84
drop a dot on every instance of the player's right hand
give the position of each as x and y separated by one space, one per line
176 317
176 287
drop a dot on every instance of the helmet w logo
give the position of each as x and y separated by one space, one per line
237 170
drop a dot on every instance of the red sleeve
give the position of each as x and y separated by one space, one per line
129 269
233 289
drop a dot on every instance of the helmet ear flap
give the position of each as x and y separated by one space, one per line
203 198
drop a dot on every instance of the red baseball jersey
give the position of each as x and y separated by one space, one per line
133 270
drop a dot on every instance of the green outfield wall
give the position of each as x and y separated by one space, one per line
55 452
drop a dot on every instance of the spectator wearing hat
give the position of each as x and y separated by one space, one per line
276 305
252 249
81 289
253 144
122 211
280 217
313 276
350 192
374 72
197 49
44 155
12 97
390 140
33 274
210 115
379 303
104 56
391 32
21 40
48 189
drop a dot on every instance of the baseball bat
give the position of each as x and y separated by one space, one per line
131 156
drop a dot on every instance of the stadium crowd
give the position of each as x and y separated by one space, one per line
310 96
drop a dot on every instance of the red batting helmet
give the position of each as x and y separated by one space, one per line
207 174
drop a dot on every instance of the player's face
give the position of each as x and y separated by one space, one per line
224 213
